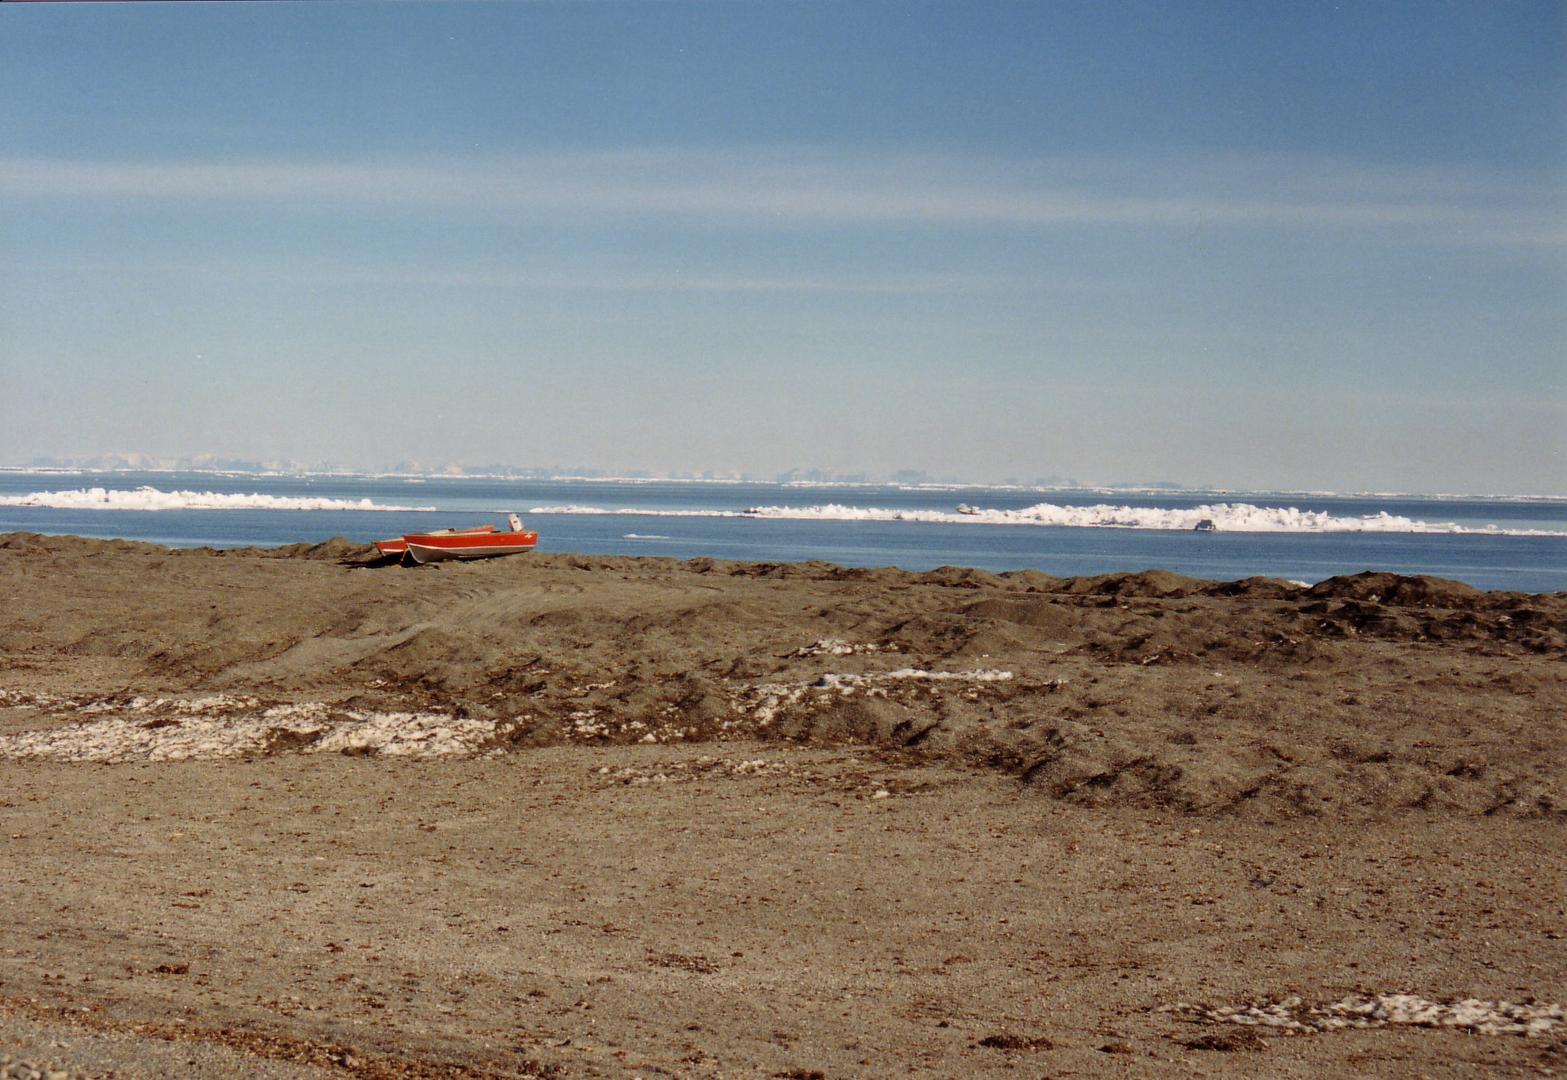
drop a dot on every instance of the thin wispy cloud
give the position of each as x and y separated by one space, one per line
810 188
619 280
605 277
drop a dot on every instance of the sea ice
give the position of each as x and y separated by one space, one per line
1226 517
150 498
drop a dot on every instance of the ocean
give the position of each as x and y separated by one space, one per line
1492 543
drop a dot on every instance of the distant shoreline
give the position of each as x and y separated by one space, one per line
890 485
1151 581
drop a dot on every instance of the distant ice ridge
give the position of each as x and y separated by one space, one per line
150 498
1226 517
591 510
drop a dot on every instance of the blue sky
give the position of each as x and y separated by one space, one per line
1277 245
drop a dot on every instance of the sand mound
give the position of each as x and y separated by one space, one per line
1146 583
1399 591
1365 696
958 577
36 544
1044 616
335 550
1031 581
1257 588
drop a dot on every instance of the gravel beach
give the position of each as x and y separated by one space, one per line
298 813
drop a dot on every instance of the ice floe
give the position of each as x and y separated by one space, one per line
1226 517
150 498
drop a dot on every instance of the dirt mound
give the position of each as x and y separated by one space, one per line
1148 689
1030 581
1091 768
1398 590
1050 617
35 544
958 577
1149 583
1420 612
1257 588
524 565
705 565
881 575
336 549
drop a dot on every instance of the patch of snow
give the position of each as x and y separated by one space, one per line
835 647
760 705
853 682
1292 1016
222 726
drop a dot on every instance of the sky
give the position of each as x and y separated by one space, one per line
1264 245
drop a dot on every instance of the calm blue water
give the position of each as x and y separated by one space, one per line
1524 563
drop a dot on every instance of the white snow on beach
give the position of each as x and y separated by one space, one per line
223 726
1292 1016
1226 517
765 702
151 498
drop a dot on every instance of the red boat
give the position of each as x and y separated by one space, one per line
482 542
399 544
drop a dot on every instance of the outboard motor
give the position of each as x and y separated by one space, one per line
516 522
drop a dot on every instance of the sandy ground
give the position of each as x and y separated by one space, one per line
277 814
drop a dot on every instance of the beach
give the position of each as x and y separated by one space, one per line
296 812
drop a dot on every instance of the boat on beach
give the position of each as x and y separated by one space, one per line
478 542
399 544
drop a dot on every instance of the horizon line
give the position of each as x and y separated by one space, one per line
610 477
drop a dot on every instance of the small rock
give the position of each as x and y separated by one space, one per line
1243 1038
1008 1041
